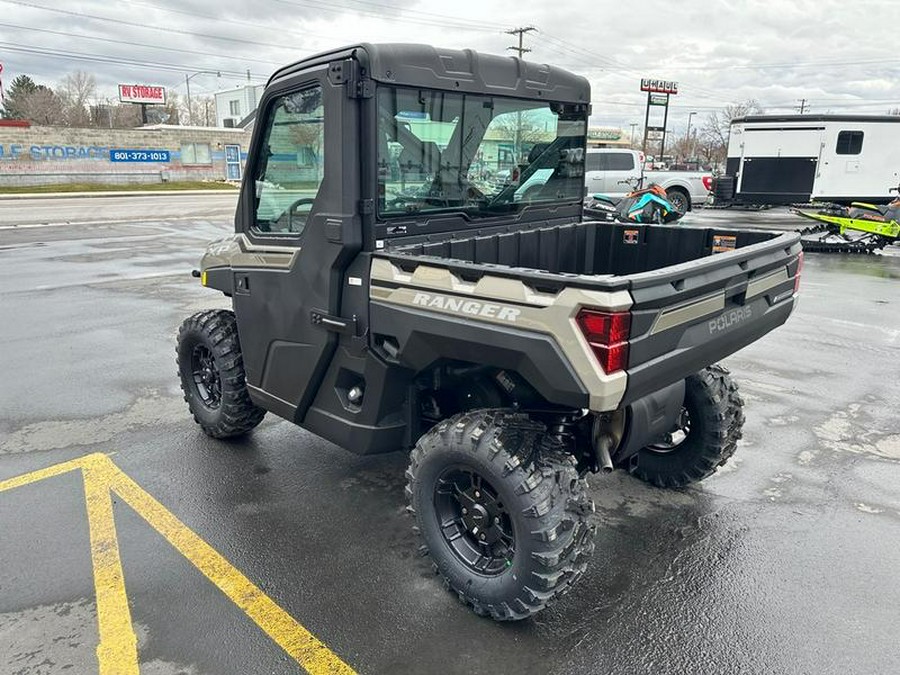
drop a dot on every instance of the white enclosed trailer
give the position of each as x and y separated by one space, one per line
788 159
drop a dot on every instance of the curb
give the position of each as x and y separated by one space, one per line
122 193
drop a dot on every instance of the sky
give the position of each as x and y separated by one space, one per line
839 55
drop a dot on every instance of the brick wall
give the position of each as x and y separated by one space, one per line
55 155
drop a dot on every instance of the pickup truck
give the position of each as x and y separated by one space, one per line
614 172
386 300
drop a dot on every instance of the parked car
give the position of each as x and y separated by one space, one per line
612 171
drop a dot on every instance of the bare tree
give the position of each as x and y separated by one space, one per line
715 130
75 91
43 107
202 111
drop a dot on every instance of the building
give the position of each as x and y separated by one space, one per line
33 155
607 137
233 105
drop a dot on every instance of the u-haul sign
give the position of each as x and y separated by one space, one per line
659 86
142 93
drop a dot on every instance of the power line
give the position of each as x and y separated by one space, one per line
131 43
379 12
100 58
136 24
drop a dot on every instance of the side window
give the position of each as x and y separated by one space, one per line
620 161
195 153
291 162
592 161
849 143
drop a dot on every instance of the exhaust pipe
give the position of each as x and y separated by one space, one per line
603 441
602 446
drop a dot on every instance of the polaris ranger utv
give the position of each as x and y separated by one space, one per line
390 292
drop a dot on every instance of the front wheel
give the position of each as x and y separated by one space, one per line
502 510
705 435
212 376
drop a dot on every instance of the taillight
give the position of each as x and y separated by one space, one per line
707 183
797 275
607 333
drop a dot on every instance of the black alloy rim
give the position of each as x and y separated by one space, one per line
677 436
474 521
206 376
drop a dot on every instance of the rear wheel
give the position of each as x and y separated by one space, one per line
212 376
704 437
679 199
502 511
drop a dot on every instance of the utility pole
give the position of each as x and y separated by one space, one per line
522 50
633 127
187 83
690 142
802 106
521 33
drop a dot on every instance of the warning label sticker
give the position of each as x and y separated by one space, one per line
723 243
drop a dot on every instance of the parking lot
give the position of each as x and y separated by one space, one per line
283 551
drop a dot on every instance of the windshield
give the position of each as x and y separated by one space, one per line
447 151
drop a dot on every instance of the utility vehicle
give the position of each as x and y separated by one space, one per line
388 296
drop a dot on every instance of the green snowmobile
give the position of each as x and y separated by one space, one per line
858 228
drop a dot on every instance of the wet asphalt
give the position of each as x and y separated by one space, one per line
784 562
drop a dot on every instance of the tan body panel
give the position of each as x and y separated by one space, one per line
510 303
236 250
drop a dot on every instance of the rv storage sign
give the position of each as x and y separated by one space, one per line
142 93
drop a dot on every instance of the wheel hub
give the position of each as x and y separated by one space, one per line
474 521
206 376
677 436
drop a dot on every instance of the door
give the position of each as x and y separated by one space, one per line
779 164
594 174
287 296
620 168
233 162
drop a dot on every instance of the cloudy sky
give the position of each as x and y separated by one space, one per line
840 55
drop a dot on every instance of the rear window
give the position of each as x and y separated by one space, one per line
620 161
849 143
592 162
609 161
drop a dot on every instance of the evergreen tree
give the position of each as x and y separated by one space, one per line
16 97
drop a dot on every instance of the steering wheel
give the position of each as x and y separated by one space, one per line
290 211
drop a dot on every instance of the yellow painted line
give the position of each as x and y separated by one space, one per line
309 652
117 651
41 474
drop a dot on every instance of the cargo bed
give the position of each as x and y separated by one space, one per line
696 294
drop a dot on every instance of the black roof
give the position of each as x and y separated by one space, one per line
817 118
456 69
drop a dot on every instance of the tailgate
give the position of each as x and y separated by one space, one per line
689 316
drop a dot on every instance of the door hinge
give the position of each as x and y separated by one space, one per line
337 324
362 88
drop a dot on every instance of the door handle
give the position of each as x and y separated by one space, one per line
337 324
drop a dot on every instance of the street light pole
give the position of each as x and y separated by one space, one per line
633 126
690 144
187 84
